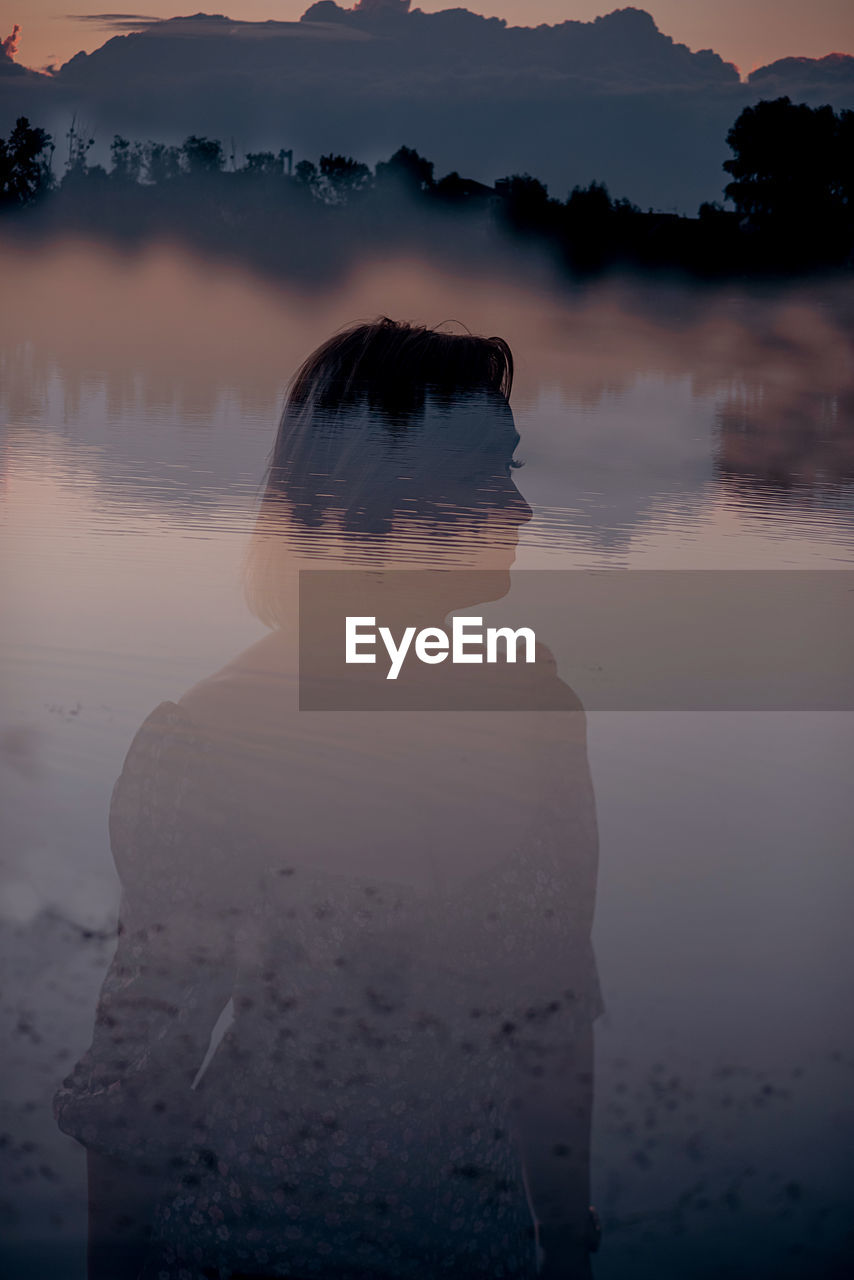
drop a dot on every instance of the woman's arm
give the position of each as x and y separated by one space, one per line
131 1094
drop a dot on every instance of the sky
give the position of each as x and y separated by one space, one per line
750 33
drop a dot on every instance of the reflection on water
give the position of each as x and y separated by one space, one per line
659 429
650 421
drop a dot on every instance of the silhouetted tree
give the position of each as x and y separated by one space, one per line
793 176
306 174
162 163
792 186
25 164
77 164
406 170
202 155
588 226
524 201
709 210
263 164
720 242
342 177
127 159
589 204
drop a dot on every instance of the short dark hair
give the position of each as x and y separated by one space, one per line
393 365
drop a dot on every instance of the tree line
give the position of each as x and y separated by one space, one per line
791 193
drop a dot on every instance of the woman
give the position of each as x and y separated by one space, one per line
391 906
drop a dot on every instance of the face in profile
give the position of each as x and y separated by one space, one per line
479 509
434 486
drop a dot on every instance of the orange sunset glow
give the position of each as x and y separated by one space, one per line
750 33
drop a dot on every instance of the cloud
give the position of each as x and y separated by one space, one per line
10 44
110 17
833 74
383 6
114 21
614 99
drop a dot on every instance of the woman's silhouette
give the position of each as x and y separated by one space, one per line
390 909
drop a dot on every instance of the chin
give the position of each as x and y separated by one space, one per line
495 581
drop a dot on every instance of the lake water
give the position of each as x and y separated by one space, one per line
661 428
